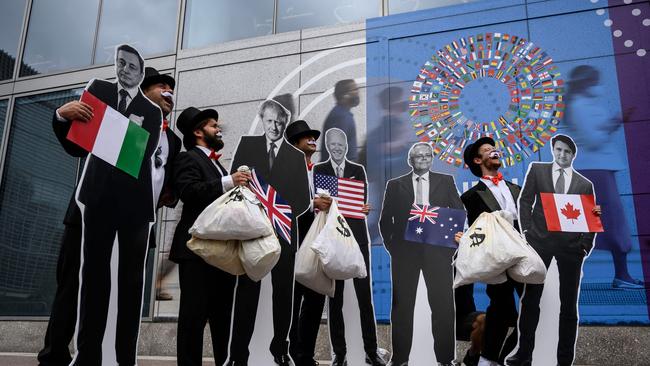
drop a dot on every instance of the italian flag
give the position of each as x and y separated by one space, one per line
570 213
110 136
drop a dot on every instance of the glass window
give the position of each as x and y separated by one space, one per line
209 22
60 35
403 6
301 14
3 115
148 25
37 183
11 22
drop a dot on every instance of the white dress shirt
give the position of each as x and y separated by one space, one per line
425 188
568 174
132 94
226 180
502 194
277 144
336 167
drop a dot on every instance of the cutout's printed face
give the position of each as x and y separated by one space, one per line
563 154
128 68
337 146
420 158
274 124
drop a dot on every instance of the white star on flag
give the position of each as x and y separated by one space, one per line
418 230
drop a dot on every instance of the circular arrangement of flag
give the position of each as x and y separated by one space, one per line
535 97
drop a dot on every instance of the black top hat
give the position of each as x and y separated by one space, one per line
152 76
190 119
300 128
471 151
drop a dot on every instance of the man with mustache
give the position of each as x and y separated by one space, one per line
206 291
346 93
492 193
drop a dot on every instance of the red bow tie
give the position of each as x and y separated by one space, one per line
213 155
165 125
494 180
310 166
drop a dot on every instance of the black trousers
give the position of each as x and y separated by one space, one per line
99 236
245 308
569 266
206 297
500 315
367 312
63 316
407 261
307 314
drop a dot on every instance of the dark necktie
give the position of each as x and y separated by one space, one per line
339 171
271 155
559 184
121 107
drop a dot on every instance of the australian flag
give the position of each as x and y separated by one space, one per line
434 225
276 208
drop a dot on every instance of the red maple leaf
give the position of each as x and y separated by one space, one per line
570 212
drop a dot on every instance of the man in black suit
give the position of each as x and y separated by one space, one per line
307 304
282 166
339 166
408 259
491 194
569 249
206 291
114 204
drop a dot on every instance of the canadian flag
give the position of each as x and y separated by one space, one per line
570 213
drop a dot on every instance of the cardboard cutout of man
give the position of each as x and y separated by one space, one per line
283 167
409 259
206 291
568 248
491 194
339 166
115 208
63 317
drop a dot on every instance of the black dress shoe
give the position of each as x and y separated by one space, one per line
518 360
283 360
339 361
374 359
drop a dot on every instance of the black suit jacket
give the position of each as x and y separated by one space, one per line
352 171
479 199
531 214
104 187
288 176
399 198
198 183
174 143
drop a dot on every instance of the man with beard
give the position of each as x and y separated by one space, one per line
283 167
206 291
491 194
116 205
62 320
346 93
408 259
307 304
339 166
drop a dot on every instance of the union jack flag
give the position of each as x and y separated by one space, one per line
424 212
276 208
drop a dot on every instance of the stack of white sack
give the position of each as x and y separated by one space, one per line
234 234
329 252
491 248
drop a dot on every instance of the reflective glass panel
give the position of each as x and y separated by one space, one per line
37 183
215 21
60 35
11 22
148 25
404 6
301 14
3 115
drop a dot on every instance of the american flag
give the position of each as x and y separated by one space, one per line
277 209
349 194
